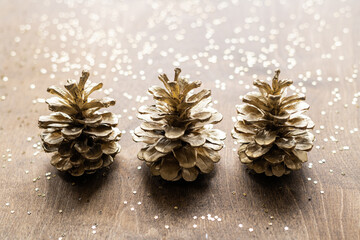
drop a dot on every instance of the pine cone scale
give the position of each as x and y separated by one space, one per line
286 143
169 170
201 116
243 158
186 156
265 138
254 150
152 155
71 132
92 88
99 131
165 145
212 146
64 165
190 174
241 127
110 148
204 164
195 140
152 126
172 132
60 93
278 170
45 121
81 146
211 154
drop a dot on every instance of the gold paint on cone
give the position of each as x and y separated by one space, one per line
179 141
272 130
83 138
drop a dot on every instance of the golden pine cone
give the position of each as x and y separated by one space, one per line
83 138
180 141
272 129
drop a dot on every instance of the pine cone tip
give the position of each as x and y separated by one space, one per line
177 73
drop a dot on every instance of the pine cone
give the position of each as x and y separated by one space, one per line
180 143
85 140
272 129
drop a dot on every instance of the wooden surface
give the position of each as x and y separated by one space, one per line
226 44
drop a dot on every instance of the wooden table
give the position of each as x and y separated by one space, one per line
226 44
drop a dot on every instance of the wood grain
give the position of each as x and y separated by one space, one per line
226 45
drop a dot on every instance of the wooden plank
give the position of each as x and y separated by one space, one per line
226 45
